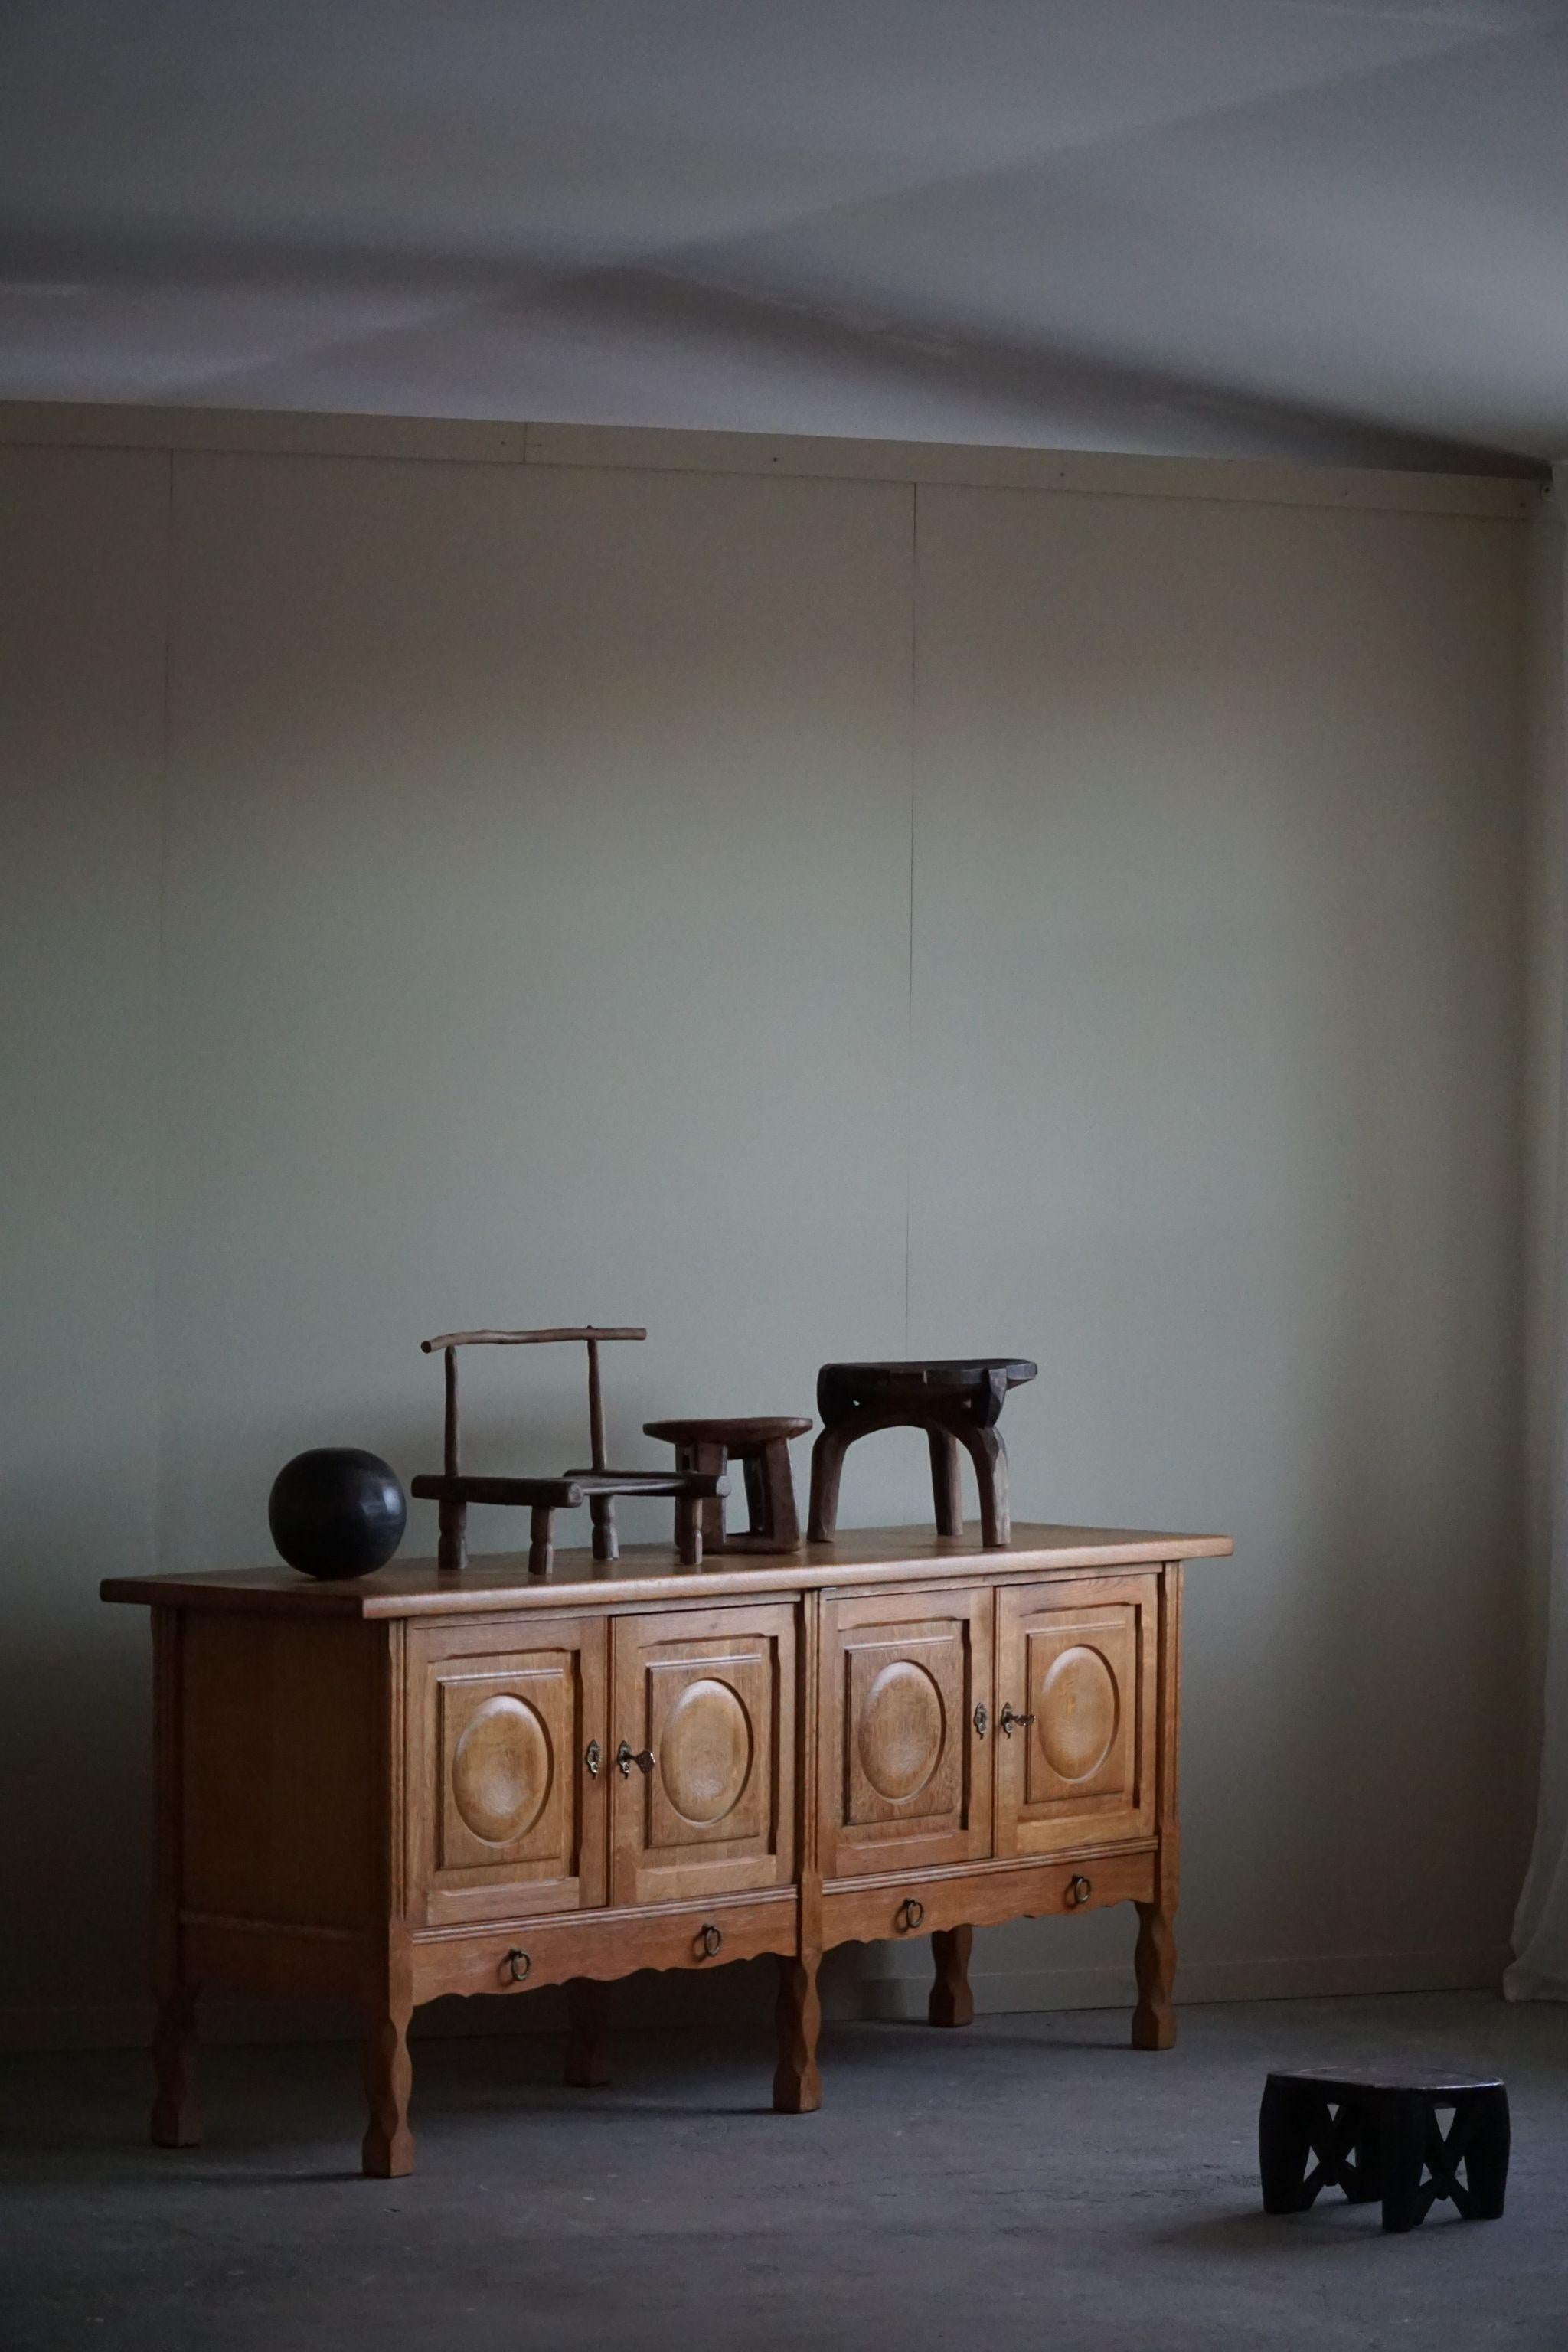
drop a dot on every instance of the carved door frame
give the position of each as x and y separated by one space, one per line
705 1803
1080 1658
514 1704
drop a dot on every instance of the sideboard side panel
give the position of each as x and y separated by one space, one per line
277 1771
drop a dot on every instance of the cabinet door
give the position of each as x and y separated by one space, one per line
1080 1659
905 1765
505 1799
705 1699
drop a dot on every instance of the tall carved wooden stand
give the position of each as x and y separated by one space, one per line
418 1784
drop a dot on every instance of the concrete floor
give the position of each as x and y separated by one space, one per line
1029 2182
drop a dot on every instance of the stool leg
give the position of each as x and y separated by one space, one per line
1485 2156
759 1519
688 1529
1284 2144
1403 2122
703 1454
989 1456
778 1494
1366 2179
452 1548
601 1512
946 1484
826 1466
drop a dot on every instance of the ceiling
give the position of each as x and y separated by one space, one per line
1314 228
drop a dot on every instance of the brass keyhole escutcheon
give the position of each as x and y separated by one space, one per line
981 1718
518 1965
711 1940
911 1913
1078 1890
592 1756
627 1756
1006 1721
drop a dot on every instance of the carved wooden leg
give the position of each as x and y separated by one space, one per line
587 2034
1486 2158
952 2002
778 1494
946 1482
452 1548
705 1456
601 1514
388 2150
1403 2121
541 1539
176 2117
688 1529
1285 2122
759 1515
1155 1962
797 2085
826 1466
989 1456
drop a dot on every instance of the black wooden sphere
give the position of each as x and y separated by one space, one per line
337 1511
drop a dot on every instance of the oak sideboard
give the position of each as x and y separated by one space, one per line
422 1782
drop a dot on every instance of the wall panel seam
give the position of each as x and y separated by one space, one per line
672 449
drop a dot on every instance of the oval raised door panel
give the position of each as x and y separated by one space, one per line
705 1752
1079 1709
902 1730
500 1770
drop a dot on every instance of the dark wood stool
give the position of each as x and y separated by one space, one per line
761 1446
1376 2137
956 1403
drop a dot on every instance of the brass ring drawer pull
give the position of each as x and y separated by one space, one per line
709 1939
911 1914
517 1963
1078 1890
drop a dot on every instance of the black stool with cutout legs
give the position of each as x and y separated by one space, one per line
1378 2138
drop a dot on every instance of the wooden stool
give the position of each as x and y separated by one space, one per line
956 1402
1374 2137
453 1490
761 1446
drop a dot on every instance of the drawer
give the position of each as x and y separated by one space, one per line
905 1908
611 1944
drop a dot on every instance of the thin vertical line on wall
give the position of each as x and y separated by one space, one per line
160 1032
910 1012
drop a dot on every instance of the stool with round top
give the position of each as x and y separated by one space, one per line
956 1401
759 1444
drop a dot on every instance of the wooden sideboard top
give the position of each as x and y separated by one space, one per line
413 1587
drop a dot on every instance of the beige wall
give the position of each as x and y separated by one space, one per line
455 890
